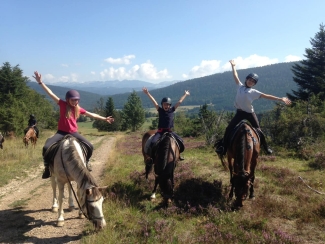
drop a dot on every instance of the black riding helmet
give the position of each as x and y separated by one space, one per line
166 100
72 94
253 76
32 116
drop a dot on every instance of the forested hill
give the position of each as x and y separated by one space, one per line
218 89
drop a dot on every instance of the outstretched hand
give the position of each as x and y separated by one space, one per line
187 92
286 100
145 90
232 62
110 119
38 77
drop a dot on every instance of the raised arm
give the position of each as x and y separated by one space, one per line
234 72
271 97
108 119
145 90
38 78
187 93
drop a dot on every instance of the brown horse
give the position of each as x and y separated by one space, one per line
244 149
30 136
164 162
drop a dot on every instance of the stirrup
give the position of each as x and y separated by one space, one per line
220 150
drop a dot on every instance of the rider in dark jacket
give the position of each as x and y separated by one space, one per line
166 116
32 123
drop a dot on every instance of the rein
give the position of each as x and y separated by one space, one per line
74 193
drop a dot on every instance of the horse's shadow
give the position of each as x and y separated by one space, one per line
193 195
15 222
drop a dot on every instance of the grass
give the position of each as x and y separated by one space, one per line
285 209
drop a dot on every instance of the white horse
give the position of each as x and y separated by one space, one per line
70 165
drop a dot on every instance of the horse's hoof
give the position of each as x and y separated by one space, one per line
153 196
60 224
71 208
55 210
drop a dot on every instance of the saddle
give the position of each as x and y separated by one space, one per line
149 150
234 131
52 150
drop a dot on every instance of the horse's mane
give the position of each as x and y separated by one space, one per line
78 167
240 151
163 150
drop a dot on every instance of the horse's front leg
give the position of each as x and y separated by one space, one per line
153 195
71 204
81 214
55 200
251 189
231 193
60 212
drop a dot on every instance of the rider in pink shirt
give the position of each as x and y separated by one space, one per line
69 113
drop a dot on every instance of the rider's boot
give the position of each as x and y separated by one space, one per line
221 148
181 158
46 173
89 166
149 159
264 143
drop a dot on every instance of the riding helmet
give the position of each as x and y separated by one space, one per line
32 116
166 100
72 94
253 76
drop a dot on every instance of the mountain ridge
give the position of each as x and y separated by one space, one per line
218 89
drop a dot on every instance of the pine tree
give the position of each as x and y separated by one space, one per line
133 112
309 74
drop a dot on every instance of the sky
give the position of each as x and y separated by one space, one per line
153 41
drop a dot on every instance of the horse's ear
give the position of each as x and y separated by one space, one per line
102 189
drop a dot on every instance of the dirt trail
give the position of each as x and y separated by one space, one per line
34 222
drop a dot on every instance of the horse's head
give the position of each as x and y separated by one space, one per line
94 207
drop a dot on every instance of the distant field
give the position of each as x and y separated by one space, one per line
180 108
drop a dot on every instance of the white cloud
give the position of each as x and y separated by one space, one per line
291 58
125 60
74 77
207 67
252 61
48 77
64 78
93 72
145 71
65 65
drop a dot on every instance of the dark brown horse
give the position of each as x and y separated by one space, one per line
242 157
30 136
164 163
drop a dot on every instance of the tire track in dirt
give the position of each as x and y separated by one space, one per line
34 222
